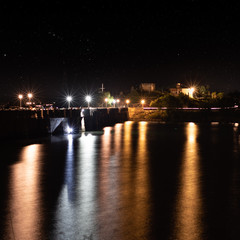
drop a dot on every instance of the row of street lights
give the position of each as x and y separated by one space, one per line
20 96
89 99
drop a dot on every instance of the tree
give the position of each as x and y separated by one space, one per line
101 99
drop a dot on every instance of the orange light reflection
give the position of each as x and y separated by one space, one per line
189 203
25 200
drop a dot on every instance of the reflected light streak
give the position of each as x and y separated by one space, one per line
127 140
142 183
25 202
107 130
188 224
78 210
117 136
86 168
104 164
69 170
87 182
108 181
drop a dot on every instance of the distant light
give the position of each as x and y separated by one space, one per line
106 99
114 101
69 98
88 98
127 101
118 100
30 95
20 96
142 101
236 124
192 89
69 130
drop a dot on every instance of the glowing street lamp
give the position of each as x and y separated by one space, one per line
114 102
127 101
118 101
106 101
142 102
191 91
20 96
88 99
69 99
29 97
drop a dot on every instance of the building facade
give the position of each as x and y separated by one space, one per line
179 89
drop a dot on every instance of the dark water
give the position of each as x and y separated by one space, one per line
135 181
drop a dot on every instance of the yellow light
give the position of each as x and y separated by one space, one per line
142 101
127 101
192 90
30 95
106 100
118 100
20 96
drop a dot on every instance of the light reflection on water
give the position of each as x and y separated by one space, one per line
188 224
75 212
108 186
25 201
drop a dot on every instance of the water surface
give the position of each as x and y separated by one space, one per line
135 180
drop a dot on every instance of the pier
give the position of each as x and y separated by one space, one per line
31 123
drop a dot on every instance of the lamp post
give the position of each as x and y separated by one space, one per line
29 97
118 101
69 99
127 101
142 102
114 102
106 101
88 99
20 96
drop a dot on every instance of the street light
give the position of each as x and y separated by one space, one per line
20 96
29 97
118 101
127 101
69 99
114 101
142 102
106 101
88 99
191 90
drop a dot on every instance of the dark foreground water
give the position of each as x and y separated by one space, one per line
134 181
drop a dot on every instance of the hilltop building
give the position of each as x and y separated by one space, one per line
148 87
179 89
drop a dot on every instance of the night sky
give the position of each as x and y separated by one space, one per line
54 47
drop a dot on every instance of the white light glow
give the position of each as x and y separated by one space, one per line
69 130
69 98
88 98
